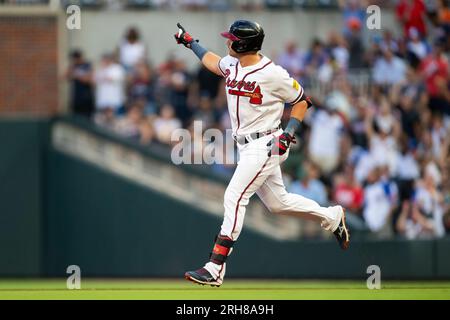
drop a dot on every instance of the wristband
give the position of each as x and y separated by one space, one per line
292 126
198 50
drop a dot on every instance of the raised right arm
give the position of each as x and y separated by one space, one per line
209 59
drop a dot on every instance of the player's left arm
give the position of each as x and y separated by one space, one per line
289 90
298 111
281 144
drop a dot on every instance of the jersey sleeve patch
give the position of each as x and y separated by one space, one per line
289 89
295 85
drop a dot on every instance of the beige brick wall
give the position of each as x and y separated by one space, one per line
28 65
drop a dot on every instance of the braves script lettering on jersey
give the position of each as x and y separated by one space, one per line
256 97
256 94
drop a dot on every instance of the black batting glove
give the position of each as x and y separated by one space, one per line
279 145
183 37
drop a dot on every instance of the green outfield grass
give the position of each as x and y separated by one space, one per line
231 289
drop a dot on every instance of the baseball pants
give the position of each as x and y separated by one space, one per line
260 174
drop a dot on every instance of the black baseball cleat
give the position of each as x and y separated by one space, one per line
202 276
342 233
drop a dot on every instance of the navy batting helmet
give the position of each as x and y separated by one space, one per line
246 36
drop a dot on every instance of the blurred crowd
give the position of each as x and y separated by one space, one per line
196 5
377 140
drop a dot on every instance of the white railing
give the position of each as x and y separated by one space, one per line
170 180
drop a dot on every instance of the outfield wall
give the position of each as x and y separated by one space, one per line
110 227
57 210
22 158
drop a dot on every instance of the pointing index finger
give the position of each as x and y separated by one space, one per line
180 26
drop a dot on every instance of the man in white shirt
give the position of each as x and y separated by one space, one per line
131 50
325 139
110 82
380 198
389 69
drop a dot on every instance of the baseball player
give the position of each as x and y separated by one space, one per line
257 91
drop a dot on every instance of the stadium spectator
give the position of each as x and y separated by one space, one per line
389 69
425 145
131 49
166 123
439 136
324 142
208 83
337 47
443 20
347 191
179 89
423 217
106 119
340 96
110 85
416 48
383 131
354 12
203 112
355 44
388 41
373 50
80 75
134 125
357 124
411 223
380 200
309 184
434 69
292 59
173 86
315 57
411 14
407 168
140 86
407 99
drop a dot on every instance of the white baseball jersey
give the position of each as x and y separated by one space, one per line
256 94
